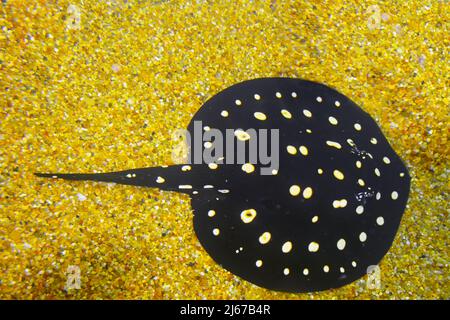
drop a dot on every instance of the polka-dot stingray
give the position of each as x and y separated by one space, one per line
328 212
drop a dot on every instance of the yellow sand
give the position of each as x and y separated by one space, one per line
104 93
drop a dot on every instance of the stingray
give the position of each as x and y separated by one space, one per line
327 213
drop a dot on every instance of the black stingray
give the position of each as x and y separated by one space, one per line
330 211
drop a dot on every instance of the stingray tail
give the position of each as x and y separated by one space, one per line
173 178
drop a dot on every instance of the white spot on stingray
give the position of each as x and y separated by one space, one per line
359 209
380 221
291 150
257 96
213 166
394 195
259 263
313 247
287 247
386 160
378 196
241 135
307 113
294 190
338 175
274 172
307 193
294 94
326 269
354 264
357 127
260 116
341 244
303 150
278 95
373 141
286 271
334 144
286 114
248 215
333 120
216 232
248 167
361 182
160 180
211 213
265 238
340 203
185 186
208 186
362 237
377 172
186 168
358 164
402 174
342 270
206 128
315 219
305 271
208 144
351 142
319 171
224 113
238 102
308 131
224 191
337 103
319 99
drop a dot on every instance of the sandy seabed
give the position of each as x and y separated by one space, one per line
91 86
